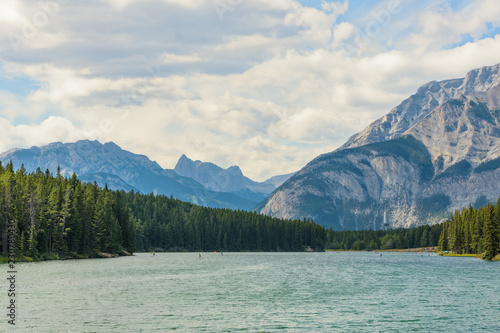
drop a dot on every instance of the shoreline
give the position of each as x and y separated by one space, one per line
73 256
432 249
420 250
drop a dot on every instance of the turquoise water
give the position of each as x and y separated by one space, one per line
257 292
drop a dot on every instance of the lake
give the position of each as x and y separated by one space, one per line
257 292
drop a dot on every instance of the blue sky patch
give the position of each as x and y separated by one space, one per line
18 84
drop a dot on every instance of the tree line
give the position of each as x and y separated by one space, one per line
423 236
473 231
56 217
168 224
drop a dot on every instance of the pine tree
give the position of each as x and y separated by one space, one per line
32 243
443 239
490 234
424 241
496 224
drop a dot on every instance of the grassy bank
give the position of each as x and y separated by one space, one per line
459 255
480 256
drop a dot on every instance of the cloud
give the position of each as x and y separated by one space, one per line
268 86
442 26
9 12
338 8
180 59
342 32
50 130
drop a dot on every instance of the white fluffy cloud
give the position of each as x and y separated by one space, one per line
50 130
265 85
342 32
441 26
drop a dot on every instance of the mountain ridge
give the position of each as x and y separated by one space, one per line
381 170
219 179
427 98
109 164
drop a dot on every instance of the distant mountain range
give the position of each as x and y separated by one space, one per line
437 151
218 179
197 182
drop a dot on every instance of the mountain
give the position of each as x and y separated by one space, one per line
437 151
218 179
428 97
109 164
276 181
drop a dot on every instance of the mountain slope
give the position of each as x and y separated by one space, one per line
109 164
351 189
415 169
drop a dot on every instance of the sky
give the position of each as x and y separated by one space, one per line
265 85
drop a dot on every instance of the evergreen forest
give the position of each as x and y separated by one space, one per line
423 236
473 231
51 217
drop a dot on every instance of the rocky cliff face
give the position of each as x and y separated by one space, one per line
478 82
436 152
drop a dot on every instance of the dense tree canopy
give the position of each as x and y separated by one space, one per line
473 231
57 215
424 236
169 224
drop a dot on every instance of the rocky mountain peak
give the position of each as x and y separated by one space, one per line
482 79
235 170
184 165
223 180
427 98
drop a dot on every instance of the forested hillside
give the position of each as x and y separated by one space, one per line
473 231
170 224
64 217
